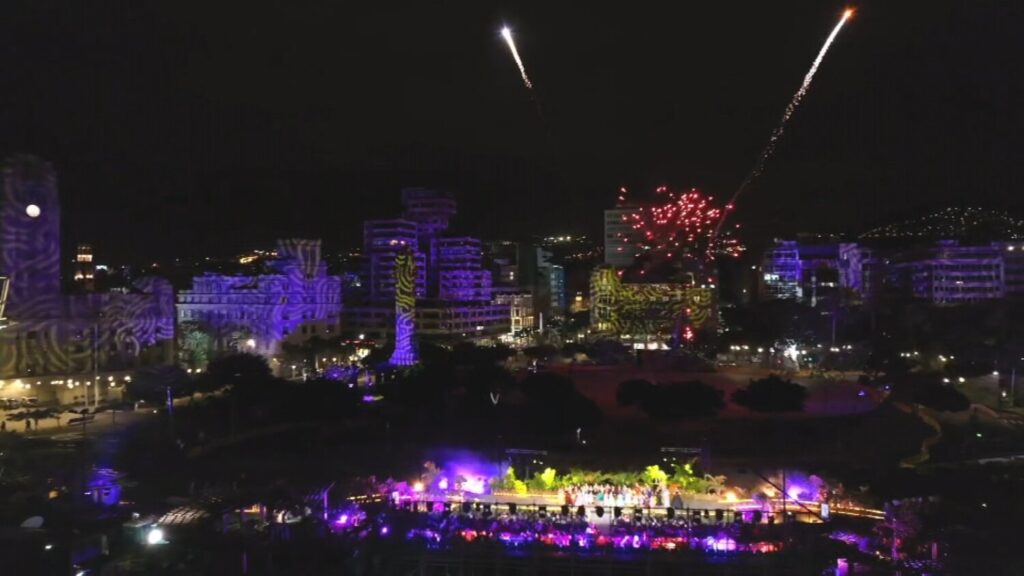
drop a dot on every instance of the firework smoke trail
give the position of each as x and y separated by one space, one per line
507 35
790 108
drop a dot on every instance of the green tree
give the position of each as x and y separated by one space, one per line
194 343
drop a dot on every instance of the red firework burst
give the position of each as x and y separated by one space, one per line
681 223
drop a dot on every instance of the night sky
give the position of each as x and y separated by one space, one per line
182 128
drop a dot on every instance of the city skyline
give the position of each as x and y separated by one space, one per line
185 130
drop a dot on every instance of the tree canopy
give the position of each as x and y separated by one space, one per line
771 394
683 400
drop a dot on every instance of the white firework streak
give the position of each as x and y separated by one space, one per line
507 35
790 108
795 102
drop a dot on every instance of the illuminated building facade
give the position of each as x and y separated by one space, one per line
257 313
452 288
405 309
951 273
461 276
520 305
85 268
941 272
648 312
383 241
52 334
797 271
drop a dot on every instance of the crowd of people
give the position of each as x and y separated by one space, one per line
571 531
645 496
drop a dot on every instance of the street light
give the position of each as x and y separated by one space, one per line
155 536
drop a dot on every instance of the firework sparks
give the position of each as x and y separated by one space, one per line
794 103
684 223
507 35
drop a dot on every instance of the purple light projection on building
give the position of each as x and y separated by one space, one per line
53 333
405 309
452 288
255 313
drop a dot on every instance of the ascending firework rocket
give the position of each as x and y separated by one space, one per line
507 35
790 108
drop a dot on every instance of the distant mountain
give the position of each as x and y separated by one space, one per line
953 224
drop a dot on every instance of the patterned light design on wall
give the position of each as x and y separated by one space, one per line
648 309
405 309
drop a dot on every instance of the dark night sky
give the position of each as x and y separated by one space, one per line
181 128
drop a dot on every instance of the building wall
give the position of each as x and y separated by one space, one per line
433 321
521 313
453 290
619 238
383 240
945 272
639 310
949 273
1013 268
52 333
297 303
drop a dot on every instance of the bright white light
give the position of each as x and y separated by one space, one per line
507 35
155 536
251 343
33 211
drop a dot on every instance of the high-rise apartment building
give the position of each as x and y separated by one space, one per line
620 238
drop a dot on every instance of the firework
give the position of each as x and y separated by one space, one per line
681 223
507 35
769 149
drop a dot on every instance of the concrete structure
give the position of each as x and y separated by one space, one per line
85 268
521 312
942 272
796 271
53 336
404 353
460 272
383 240
453 290
536 273
663 313
257 313
619 237
951 273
